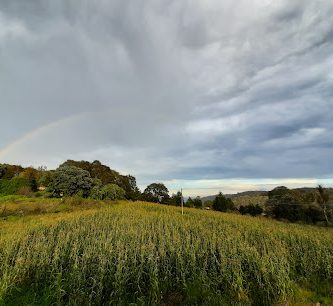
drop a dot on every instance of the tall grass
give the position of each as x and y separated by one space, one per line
152 255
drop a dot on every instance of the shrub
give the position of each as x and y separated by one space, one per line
25 191
251 209
9 187
108 192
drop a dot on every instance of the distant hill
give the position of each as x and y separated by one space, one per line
259 197
239 194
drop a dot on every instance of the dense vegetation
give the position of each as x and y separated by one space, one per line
151 254
97 181
86 249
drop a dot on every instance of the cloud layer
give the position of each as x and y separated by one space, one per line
184 90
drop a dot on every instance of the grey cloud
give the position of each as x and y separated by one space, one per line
169 89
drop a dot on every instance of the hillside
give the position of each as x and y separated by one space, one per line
239 194
144 253
243 198
260 197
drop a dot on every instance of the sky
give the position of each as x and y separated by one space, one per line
207 95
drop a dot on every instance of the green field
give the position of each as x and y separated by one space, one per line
149 254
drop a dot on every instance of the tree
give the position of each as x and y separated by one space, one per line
128 183
70 180
108 176
189 202
108 192
9 171
31 175
197 202
176 199
156 192
322 200
221 203
296 205
45 178
283 203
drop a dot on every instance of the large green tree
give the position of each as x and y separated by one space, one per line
69 181
108 176
156 192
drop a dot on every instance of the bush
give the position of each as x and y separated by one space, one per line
108 192
9 187
25 191
251 209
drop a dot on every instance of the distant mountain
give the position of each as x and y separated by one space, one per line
260 197
239 194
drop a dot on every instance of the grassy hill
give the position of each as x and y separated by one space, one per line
148 254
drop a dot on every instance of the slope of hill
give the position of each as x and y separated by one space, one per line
151 254
239 194
243 198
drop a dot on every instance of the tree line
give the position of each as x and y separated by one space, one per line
95 180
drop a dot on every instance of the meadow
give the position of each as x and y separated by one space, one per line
121 253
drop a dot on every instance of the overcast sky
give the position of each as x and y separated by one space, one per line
205 94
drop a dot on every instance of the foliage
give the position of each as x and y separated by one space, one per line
251 209
245 200
322 199
292 205
221 203
156 192
69 181
8 172
148 254
45 178
208 204
12 186
108 176
189 202
31 175
108 192
197 203
176 199
131 189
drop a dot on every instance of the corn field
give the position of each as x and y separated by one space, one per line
149 254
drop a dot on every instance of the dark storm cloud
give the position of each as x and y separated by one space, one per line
169 89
